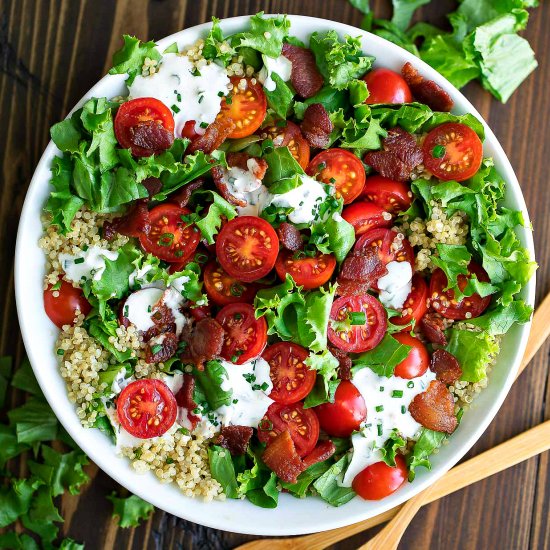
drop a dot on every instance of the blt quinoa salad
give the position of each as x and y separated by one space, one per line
275 267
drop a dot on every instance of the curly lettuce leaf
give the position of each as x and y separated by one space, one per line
425 445
326 382
131 510
216 47
210 224
328 486
266 34
403 11
130 58
383 358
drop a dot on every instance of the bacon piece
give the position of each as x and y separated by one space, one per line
323 451
426 91
305 76
235 439
181 196
446 366
204 342
290 237
344 362
161 348
164 321
388 165
359 271
133 224
281 457
317 126
432 326
151 135
153 186
434 408
213 137
184 398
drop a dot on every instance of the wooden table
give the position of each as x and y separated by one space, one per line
53 51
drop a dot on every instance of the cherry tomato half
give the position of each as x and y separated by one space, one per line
386 86
302 424
452 151
223 289
143 110
292 379
418 360
146 408
344 416
340 168
379 480
416 303
188 131
170 238
247 248
61 309
357 337
245 106
443 300
307 271
365 215
289 136
392 196
245 336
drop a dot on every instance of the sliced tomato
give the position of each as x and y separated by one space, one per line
292 379
379 480
170 238
144 110
344 416
365 215
245 105
289 136
247 248
340 168
386 86
245 336
199 312
62 301
452 151
223 289
301 423
418 359
416 303
146 408
392 196
307 271
443 301
357 337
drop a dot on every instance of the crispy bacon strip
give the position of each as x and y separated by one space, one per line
446 366
290 237
344 362
153 186
426 91
323 451
305 76
316 126
151 135
133 224
359 271
182 196
281 457
235 439
184 398
432 327
213 137
161 348
204 342
434 408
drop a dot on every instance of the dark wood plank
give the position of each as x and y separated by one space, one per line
53 51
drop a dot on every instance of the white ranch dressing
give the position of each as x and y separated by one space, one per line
139 306
393 413
87 264
396 285
278 65
195 93
256 201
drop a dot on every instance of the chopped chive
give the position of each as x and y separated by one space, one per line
410 384
169 460
332 180
381 388
265 425
85 248
166 239
203 124
184 431
237 289
156 348
403 409
235 401
79 260
238 316
229 100
57 285
379 408
178 253
220 94
125 311
264 386
175 108
397 393
201 98
438 152
60 351
321 166
201 258
357 317
149 309
379 429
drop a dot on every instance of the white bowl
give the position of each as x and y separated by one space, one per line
292 516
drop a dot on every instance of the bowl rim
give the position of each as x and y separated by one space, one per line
194 511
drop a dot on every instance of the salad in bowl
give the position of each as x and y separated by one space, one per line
276 267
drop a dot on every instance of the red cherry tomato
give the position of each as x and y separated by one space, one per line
245 336
146 408
340 168
452 151
344 416
188 131
418 360
200 312
289 136
443 300
144 110
170 238
379 480
416 303
61 308
392 196
360 337
386 86
365 215
223 289
247 248
301 423
246 107
292 379
309 272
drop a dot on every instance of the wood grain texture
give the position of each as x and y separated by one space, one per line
53 51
